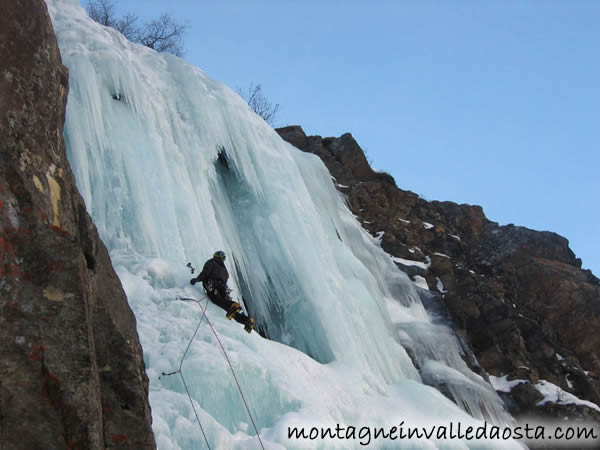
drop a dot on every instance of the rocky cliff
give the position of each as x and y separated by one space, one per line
517 296
72 372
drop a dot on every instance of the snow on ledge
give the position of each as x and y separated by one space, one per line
421 282
551 392
440 285
410 262
501 384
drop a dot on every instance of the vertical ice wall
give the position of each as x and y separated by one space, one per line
173 166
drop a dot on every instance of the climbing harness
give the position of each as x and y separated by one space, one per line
180 370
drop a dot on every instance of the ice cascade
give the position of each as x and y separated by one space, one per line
174 166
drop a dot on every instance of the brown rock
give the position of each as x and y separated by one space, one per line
522 373
517 295
494 361
462 308
72 369
441 266
562 296
526 396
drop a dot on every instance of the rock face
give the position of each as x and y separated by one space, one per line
72 372
517 296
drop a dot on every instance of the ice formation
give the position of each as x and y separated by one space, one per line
173 166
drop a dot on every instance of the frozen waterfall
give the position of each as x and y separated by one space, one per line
173 166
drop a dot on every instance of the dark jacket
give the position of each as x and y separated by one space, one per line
214 270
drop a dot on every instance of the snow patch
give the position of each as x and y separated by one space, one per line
410 262
440 285
569 383
502 384
553 393
421 282
427 225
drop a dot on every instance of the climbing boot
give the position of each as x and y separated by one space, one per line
233 310
249 325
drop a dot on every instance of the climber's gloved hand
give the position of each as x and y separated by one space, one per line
193 281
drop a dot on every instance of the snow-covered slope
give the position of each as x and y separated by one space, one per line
144 133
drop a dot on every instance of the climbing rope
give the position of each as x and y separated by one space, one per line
180 372
181 363
237 382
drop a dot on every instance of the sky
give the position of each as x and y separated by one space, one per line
491 103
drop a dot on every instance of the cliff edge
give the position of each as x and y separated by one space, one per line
72 369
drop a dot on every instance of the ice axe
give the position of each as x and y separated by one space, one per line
191 267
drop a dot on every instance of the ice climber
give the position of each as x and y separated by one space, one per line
214 278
